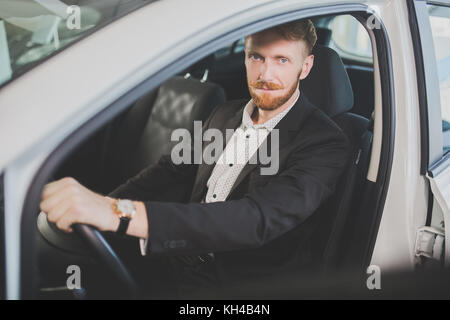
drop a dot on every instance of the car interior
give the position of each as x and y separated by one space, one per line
341 84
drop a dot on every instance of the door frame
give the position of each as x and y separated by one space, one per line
28 251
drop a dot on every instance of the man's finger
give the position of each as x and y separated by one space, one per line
50 201
68 218
54 186
57 212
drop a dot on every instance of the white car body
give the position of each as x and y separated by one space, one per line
44 106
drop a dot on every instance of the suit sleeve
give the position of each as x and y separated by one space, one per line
164 181
288 199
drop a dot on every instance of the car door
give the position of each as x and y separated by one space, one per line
23 186
431 34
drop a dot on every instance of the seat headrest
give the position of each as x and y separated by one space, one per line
323 36
328 86
197 70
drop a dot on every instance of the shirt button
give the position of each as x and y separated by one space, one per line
231 164
214 196
247 136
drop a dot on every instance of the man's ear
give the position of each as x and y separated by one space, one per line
307 66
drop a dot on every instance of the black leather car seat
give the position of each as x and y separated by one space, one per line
323 36
329 88
140 136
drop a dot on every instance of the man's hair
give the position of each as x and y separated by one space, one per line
297 30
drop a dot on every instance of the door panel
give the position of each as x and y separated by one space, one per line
439 177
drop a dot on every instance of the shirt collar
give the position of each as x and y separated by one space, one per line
270 124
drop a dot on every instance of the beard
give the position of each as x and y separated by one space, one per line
266 101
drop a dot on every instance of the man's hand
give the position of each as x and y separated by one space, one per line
67 202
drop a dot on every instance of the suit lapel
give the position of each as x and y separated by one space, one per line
205 170
288 127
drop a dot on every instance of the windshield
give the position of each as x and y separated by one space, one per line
33 30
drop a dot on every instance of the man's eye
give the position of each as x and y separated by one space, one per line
284 60
255 57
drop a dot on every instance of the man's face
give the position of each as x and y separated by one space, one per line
274 67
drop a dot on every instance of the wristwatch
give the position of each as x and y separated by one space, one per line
126 210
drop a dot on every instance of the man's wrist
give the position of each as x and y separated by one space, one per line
114 218
138 226
115 222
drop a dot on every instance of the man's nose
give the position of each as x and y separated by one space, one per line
266 72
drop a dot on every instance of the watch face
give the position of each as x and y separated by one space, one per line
126 207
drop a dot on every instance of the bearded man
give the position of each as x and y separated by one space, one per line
238 224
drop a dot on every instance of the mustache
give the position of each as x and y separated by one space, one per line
261 84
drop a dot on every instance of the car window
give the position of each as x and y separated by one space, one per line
440 28
350 38
31 31
235 47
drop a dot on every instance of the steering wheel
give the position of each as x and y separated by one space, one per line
95 242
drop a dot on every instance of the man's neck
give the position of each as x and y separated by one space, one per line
260 116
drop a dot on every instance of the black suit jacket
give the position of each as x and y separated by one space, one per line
266 224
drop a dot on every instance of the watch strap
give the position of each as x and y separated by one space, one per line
123 226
